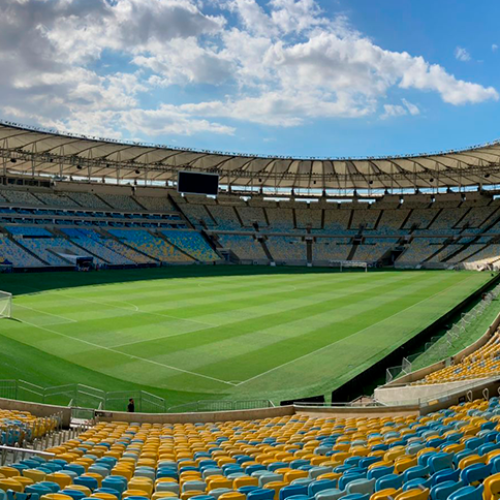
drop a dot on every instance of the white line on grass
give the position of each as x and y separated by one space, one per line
118 307
50 314
132 356
340 340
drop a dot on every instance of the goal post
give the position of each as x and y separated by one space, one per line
5 304
350 264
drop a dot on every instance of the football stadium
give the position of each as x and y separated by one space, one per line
190 323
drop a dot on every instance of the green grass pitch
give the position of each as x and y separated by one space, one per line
217 332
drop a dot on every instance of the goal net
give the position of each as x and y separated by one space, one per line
5 304
350 264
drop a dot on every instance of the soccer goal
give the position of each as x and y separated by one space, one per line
350 264
5 305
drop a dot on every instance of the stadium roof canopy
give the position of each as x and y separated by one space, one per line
29 151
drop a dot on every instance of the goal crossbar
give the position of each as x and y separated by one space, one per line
5 304
350 264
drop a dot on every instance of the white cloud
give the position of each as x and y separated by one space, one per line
396 110
93 64
494 47
462 54
413 109
393 110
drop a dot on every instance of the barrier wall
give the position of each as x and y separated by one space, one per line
399 391
38 409
209 416
423 372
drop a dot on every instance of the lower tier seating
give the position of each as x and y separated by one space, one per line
157 248
192 243
245 247
451 454
18 427
485 362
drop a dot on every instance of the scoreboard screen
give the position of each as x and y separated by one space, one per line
196 183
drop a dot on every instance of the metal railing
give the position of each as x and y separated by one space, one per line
82 396
221 405
441 345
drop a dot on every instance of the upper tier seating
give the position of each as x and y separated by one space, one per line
337 221
198 215
392 221
57 200
451 454
476 217
245 247
89 200
156 203
192 243
420 218
308 217
249 215
22 198
121 202
287 248
280 220
447 219
485 362
148 244
226 217
364 218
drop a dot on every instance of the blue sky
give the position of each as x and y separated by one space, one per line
281 77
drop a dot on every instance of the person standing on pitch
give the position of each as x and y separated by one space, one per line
131 406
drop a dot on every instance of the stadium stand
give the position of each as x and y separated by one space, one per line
326 249
420 218
487 255
448 454
156 203
466 253
148 245
21 197
484 362
94 243
468 232
287 248
56 200
308 218
392 221
121 202
17 427
52 250
15 255
192 243
226 217
365 219
280 219
250 215
89 200
245 247
198 215
372 252
420 249
337 221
